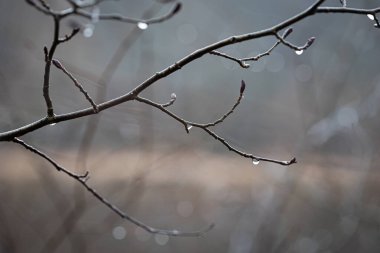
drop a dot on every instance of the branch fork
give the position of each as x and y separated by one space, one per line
79 10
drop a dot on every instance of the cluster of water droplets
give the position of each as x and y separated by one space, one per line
372 17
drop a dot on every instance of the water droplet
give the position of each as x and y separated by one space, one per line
371 17
173 96
161 239
142 25
189 128
255 161
119 233
88 31
53 124
299 52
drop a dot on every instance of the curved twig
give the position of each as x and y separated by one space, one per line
205 127
82 179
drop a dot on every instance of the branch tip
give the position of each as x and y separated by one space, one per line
177 8
242 87
57 64
287 32
46 53
310 41
293 160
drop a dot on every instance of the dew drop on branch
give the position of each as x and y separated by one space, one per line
173 96
53 124
142 25
299 52
189 128
371 17
255 161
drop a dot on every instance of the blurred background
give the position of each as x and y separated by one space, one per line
321 106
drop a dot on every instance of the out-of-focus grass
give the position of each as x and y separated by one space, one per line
319 205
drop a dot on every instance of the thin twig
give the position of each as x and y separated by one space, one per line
347 10
40 8
221 119
308 43
377 24
44 4
205 127
118 17
242 61
69 37
78 9
250 156
239 61
173 98
59 65
162 108
82 179
50 160
48 58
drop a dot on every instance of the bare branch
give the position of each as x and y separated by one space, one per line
173 98
118 17
205 127
82 179
377 24
221 119
242 62
69 37
309 42
250 156
8 135
347 10
44 4
59 65
50 160
162 108
40 8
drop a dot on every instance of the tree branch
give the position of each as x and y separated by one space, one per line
9 135
59 65
205 127
118 17
82 179
242 61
